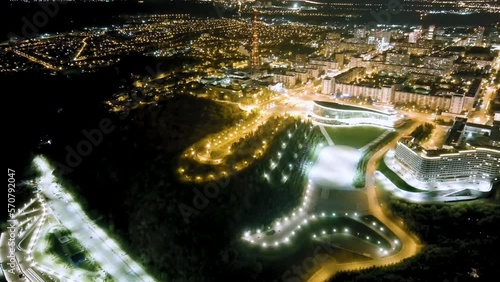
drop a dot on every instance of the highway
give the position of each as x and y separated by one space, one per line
481 116
102 248
35 60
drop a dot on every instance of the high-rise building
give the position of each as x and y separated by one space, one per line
430 32
434 166
360 32
332 42
380 38
479 35
333 36
457 103
415 35
470 159
475 39
301 59
327 86
339 58
436 62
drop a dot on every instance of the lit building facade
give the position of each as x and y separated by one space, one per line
342 114
327 86
288 80
382 95
430 32
413 37
477 164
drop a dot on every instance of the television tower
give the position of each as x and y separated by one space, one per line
254 59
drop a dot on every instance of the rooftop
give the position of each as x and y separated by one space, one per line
350 107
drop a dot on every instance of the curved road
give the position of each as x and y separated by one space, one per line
410 244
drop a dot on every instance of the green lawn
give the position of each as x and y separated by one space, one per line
394 178
356 136
88 264
73 247
54 246
62 252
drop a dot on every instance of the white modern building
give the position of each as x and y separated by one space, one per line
342 114
444 165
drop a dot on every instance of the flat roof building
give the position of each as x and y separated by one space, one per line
472 164
472 154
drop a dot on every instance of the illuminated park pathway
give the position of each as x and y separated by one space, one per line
289 225
409 243
340 164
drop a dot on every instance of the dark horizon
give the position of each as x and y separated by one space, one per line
79 15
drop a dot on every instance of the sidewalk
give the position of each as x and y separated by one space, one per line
327 136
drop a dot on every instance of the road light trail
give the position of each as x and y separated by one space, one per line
79 52
35 60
